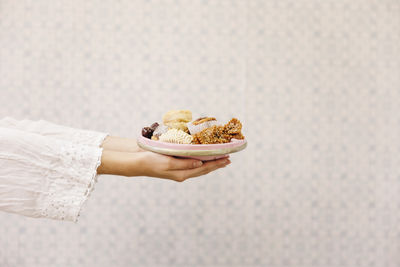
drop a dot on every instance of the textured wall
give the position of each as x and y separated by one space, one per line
316 84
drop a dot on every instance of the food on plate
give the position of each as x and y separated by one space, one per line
177 119
177 127
176 136
177 116
239 136
159 131
211 135
201 124
148 131
219 134
234 126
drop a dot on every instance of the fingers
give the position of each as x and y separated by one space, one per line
183 164
206 168
177 169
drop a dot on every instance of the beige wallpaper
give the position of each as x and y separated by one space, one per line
316 84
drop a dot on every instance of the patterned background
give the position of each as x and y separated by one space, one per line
316 84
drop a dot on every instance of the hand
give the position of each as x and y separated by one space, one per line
156 165
130 160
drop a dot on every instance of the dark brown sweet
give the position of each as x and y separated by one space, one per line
154 126
147 132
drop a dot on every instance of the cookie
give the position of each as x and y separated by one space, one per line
176 136
177 116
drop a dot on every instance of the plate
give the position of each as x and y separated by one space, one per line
200 152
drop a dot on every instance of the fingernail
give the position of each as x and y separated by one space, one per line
197 164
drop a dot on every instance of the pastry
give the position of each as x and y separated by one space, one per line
234 126
177 119
212 135
239 136
177 116
178 125
201 124
176 136
219 134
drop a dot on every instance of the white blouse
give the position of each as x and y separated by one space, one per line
47 170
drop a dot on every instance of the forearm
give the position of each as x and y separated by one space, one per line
121 144
120 163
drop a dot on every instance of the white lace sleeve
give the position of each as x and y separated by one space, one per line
43 176
46 128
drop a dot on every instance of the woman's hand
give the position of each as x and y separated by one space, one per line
156 165
130 160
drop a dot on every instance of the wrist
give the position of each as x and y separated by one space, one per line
117 163
135 164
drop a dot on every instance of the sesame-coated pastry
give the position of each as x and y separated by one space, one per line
219 134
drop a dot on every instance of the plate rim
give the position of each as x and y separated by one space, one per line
185 152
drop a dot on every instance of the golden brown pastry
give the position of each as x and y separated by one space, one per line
178 125
177 116
219 134
234 126
239 136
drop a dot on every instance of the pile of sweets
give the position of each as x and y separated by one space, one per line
178 127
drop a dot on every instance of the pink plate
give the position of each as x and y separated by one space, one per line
200 152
